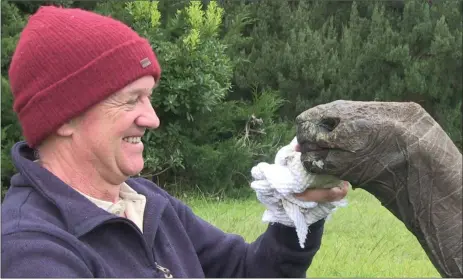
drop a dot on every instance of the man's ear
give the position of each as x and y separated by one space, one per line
67 129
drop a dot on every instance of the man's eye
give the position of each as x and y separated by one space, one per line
132 102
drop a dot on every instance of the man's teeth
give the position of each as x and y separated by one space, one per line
132 139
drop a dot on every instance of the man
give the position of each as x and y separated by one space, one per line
82 85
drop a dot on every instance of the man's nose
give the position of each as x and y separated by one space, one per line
148 118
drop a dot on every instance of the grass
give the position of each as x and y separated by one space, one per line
360 240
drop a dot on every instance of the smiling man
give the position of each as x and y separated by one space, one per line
82 85
107 137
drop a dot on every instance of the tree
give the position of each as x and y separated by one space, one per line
314 52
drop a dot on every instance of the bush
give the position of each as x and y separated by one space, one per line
206 141
12 23
321 51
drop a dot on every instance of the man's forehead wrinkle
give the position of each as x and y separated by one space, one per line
114 101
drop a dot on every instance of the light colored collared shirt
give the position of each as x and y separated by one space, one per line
131 205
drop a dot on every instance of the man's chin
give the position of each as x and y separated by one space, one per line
133 167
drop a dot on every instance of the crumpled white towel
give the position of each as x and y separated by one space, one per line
276 183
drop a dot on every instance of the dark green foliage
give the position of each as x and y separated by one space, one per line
314 52
12 23
205 141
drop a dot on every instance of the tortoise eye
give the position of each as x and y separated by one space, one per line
330 123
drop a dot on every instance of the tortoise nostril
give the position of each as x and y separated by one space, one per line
330 123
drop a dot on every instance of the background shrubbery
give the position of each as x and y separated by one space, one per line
236 73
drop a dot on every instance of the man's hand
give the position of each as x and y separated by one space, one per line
324 195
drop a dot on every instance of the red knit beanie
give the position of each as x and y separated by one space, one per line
68 60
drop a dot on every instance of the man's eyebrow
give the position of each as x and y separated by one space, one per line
141 90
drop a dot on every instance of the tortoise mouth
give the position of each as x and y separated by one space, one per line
313 155
314 161
310 147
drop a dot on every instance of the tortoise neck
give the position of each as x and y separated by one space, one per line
424 191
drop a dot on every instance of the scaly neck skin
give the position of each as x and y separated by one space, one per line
424 191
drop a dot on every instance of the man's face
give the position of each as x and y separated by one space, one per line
108 136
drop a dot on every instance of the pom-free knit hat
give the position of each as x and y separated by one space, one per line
68 60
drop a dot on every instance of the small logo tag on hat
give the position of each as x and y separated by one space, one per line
145 62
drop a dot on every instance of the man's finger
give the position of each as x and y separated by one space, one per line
324 195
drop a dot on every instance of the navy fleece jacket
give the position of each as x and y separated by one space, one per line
50 230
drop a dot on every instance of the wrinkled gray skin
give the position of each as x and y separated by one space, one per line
398 153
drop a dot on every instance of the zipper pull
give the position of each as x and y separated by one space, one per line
164 270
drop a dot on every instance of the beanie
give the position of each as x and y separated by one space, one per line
69 59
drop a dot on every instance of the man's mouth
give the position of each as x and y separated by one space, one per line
133 140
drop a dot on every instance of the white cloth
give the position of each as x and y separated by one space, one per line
276 183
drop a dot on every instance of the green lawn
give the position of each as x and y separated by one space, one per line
360 240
